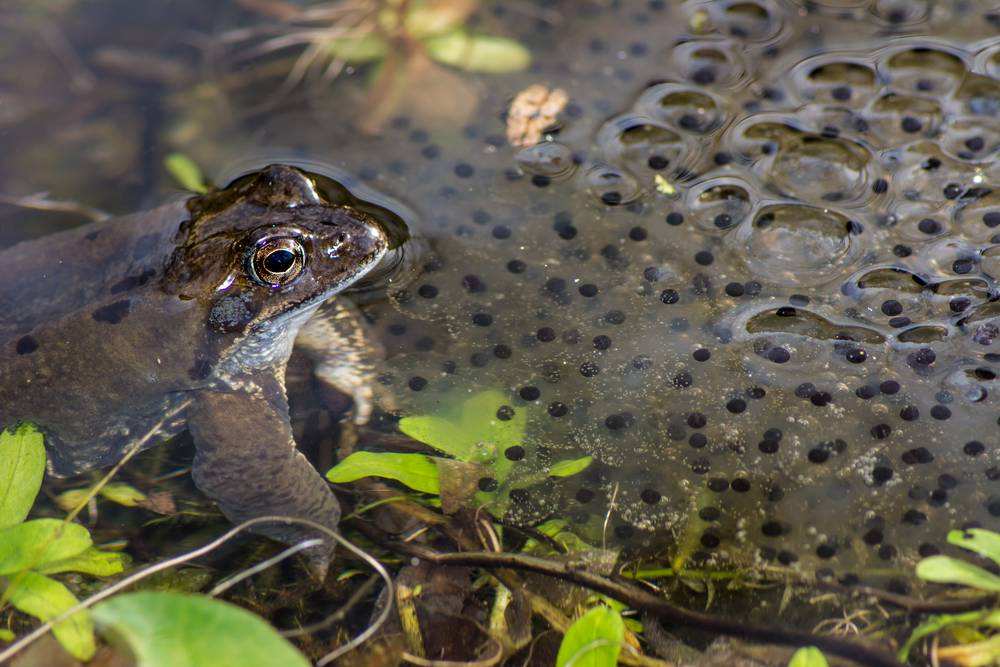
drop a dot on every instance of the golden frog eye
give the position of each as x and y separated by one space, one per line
277 262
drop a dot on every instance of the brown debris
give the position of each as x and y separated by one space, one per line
533 111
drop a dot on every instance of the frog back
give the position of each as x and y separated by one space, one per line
48 278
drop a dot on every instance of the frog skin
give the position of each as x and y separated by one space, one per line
123 333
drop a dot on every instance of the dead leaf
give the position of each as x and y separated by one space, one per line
533 111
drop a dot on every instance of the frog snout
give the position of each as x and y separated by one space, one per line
357 241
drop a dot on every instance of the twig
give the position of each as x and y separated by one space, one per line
641 600
41 630
912 604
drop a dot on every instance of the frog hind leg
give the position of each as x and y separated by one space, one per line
343 354
247 461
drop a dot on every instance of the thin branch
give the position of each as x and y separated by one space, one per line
135 577
911 604
641 600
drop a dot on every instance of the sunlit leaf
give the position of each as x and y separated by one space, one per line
358 49
808 656
594 640
947 570
478 53
45 598
569 467
187 174
416 471
472 432
184 630
22 466
39 542
984 542
92 561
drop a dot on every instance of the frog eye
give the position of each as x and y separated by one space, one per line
276 262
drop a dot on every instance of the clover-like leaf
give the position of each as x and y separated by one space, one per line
594 640
91 561
39 542
416 471
22 466
984 542
183 630
186 172
45 598
808 656
478 53
472 432
947 570
570 466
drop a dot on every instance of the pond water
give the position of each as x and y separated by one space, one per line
750 267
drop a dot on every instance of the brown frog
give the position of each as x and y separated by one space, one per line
119 334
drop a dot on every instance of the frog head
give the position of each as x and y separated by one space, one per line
271 246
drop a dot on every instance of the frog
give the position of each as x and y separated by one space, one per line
124 333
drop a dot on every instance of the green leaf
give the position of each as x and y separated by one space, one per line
984 542
357 49
44 598
123 494
472 432
594 640
479 53
808 656
22 466
39 542
948 570
92 561
416 471
185 630
570 467
187 174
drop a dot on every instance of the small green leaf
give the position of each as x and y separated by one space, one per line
6 635
22 466
594 640
569 467
472 432
984 542
441 434
123 494
357 49
947 570
187 174
184 630
92 561
416 471
39 542
44 598
808 656
479 53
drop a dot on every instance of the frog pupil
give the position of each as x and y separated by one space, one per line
279 261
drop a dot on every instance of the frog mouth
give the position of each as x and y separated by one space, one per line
398 267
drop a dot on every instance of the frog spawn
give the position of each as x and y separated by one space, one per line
733 300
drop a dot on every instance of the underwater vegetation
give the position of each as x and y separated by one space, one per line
697 336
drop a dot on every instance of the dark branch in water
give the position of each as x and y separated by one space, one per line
911 604
642 600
